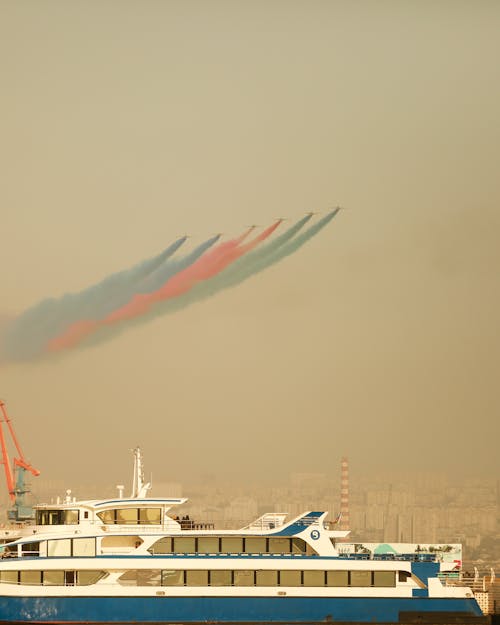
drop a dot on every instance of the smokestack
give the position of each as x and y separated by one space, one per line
344 493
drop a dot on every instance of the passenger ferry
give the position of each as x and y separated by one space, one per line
132 560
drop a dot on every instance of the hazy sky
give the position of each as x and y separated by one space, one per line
125 124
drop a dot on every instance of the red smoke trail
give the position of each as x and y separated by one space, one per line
139 304
209 265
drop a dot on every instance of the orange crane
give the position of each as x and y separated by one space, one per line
17 487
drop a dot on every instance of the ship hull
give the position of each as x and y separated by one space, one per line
228 610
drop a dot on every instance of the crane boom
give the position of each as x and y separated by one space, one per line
17 488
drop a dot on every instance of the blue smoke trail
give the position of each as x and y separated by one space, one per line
29 332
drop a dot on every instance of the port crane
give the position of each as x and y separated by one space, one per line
15 475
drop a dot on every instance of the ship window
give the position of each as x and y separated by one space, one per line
361 578
196 578
255 544
149 577
9 577
266 578
231 544
60 547
279 545
126 516
403 576
53 578
314 578
337 578
69 517
298 545
184 544
150 516
30 549
290 578
9 551
84 546
172 578
69 578
31 577
164 545
208 544
384 578
108 517
87 578
120 544
128 579
243 578
221 578
140 577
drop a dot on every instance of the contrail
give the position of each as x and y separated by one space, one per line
278 249
207 266
29 332
80 329
157 286
223 281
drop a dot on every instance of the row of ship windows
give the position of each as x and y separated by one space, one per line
230 544
290 578
156 577
86 547
122 516
52 578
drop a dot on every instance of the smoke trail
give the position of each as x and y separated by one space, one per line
229 278
29 332
181 284
207 266
80 329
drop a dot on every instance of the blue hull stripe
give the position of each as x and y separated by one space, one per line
221 609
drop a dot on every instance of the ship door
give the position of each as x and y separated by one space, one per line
69 578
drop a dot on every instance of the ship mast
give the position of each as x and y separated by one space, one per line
139 487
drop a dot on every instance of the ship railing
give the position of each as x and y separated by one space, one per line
476 584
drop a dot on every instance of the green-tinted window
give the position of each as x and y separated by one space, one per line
255 544
126 516
164 545
231 544
266 578
298 545
361 578
243 578
9 577
220 578
384 578
208 544
290 578
314 578
196 578
107 516
279 545
84 547
337 578
172 578
31 577
184 544
150 516
60 547
87 578
53 578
